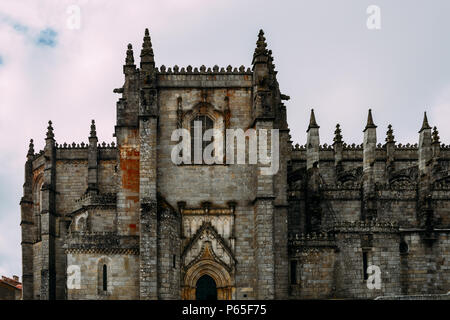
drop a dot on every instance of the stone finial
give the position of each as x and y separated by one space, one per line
261 42
30 148
147 50
129 60
93 130
337 134
271 64
261 46
312 121
435 136
425 124
50 134
390 134
370 123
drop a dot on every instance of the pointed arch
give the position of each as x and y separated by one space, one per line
216 271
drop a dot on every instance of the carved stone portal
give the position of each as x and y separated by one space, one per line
208 254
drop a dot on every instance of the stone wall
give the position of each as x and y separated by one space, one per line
122 269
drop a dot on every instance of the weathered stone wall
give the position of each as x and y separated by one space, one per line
426 268
226 183
128 181
37 266
122 271
398 193
315 273
107 176
169 254
383 253
71 183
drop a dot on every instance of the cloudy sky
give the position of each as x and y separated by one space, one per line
326 56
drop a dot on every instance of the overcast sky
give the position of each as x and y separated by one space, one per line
326 57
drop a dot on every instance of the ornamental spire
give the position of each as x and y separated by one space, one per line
370 123
93 130
261 46
312 121
129 60
390 134
425 124
337 134
30 148
147 56
435 135
50 134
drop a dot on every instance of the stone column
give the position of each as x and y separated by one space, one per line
48 220
26 225
148 222
369 205
312 143
93 160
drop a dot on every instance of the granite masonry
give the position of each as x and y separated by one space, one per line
123 221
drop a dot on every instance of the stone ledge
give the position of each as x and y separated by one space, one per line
445 296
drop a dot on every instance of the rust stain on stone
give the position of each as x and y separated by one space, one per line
129 166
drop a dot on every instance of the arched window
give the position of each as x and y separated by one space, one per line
103 273
105 278
205 123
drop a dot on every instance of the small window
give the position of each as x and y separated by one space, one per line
293 272
403 247
105 278
365 265
174 261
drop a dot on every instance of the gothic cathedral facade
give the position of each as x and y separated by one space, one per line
123 221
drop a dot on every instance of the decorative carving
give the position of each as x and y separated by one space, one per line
207 253
404 179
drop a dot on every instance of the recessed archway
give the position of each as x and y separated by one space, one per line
214 270
206 288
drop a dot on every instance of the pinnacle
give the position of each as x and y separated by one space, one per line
312 121
261 46
129 60
147 50
435 135
50 134
93 130
425 124
370 123
390 134
30 148
337 134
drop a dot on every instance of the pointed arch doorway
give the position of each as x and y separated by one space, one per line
206 288
207 279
